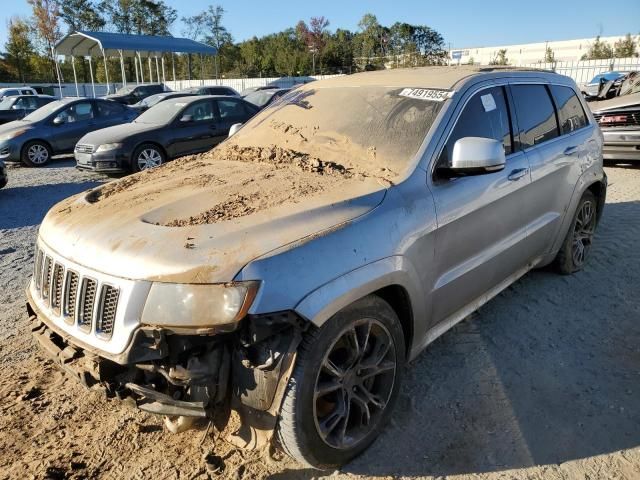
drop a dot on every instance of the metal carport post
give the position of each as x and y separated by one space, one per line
106 71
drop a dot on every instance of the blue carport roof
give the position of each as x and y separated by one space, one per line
84 43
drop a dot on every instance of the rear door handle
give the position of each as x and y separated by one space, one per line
517 174
570 150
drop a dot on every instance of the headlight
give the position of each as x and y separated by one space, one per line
10 135
191 305
105 147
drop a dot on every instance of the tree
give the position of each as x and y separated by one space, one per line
549 55
141 17
500 58
598 50
19 49
314 36
626 47
81 15
369 37
207 27
45 18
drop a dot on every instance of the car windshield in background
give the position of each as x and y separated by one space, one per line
607 77
44 112
260 97
162 113
368 126
152 100
125 90
7 102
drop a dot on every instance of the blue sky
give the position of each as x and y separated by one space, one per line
464 23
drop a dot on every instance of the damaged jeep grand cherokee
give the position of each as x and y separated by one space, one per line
290 273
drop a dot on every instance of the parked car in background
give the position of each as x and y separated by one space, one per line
4 178
134 93
55 128
619 120
12 91
592 89
19 106
264 98
220 281
249 90
147 103
170 129
213 90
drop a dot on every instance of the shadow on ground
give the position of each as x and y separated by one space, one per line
547 372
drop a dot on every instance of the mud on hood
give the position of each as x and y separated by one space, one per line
149 226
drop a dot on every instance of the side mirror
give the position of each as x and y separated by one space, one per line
477 155
186 118
234 128
15 107
58 121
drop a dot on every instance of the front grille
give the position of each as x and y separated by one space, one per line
107 311
618 119
87 301
4 152
70 296
75 297
83 148
56 290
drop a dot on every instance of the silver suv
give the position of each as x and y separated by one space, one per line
293 271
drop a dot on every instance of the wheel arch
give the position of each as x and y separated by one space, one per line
393 279
599 190
147 142
42 140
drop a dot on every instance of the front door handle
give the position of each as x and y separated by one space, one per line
570 150
517 174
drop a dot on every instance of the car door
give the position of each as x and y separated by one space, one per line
195 129
77 119
481 218
553 149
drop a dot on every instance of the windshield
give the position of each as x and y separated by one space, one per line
152 100
367 127
162 113
259 98
607 76
7 102
44 112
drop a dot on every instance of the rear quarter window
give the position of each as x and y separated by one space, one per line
536 115
570 112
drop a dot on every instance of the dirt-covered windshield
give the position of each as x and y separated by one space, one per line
368 128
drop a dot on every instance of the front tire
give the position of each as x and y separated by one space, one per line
577 244
147 156
36 154
344 385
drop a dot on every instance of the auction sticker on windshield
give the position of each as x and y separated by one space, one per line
426 94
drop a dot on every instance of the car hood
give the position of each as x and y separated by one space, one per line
117 133
623 101
127 234
14 126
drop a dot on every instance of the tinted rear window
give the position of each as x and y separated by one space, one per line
570 111
536 116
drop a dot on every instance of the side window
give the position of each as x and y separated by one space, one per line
20 104
200 111
11 93
536 115
77 112
26 92
109 109
485 115
26 103
570 111
231 111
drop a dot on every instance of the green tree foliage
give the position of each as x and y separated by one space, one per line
19 50
598 50
500 58
626 47
549 55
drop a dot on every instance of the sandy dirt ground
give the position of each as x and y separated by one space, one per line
541 383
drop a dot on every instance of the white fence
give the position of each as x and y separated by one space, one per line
87 90
585 70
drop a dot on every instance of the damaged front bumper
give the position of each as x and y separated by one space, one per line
192 376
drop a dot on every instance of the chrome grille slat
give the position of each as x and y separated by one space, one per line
47 271
56 288
84 148
87 302
107 311
71 296
37 272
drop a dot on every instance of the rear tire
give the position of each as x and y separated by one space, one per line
344 385
36 154
577 244
147 156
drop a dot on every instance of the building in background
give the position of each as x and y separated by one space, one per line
528 53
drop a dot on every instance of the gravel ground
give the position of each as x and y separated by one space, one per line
541 383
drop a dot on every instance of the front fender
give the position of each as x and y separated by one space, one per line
321 304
